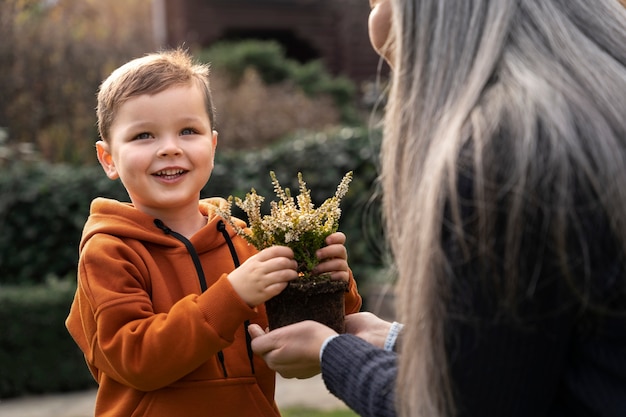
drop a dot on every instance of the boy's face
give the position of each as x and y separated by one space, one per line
161 146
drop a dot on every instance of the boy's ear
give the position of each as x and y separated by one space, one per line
106 160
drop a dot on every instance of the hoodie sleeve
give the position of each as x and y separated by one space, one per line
113 320
353 299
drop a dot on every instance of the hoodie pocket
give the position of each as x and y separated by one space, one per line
232 397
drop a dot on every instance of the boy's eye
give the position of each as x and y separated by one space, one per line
187 131
144 135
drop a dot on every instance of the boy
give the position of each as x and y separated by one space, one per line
162 306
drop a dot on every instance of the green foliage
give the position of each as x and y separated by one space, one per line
304 252
269 59
44 207
235 57
37 354
42 211
313 79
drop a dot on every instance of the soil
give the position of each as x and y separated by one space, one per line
322 301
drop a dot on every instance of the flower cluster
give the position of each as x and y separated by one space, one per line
292 222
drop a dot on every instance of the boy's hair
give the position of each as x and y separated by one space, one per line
150 74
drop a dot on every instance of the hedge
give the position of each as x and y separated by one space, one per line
44 207
36 353
42 211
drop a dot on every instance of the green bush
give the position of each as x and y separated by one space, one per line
36 353
314 80
235 57
42 211
44 207
269 59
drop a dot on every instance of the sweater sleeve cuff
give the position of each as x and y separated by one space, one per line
328 339
392 336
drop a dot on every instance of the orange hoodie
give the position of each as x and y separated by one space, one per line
155 343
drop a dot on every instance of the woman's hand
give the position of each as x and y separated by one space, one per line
293 351
368 327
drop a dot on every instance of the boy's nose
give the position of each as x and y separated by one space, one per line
169 146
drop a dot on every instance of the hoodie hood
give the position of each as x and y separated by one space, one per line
115 218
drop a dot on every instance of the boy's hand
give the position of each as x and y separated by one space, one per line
264 275
334 258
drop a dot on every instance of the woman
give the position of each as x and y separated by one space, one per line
503 159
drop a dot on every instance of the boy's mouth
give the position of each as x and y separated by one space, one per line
170 173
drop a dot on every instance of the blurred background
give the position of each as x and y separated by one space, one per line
297 88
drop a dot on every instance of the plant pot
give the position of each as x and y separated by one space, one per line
322 301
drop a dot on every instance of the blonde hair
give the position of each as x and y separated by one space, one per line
150 74
530 96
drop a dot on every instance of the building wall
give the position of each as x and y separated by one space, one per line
333 30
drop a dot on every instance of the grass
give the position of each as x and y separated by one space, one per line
310 412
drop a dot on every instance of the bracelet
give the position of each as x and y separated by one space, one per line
392 336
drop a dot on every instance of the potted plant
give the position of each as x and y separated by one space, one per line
298 224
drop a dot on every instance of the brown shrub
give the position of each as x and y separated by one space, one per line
252 114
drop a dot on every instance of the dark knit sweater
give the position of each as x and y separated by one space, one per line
561 352
498 372
361 375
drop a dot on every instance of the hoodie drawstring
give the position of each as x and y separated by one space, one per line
199 271
203 285
190 249
233 253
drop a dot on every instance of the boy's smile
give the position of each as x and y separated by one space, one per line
162 148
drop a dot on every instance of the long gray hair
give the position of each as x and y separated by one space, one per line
543 79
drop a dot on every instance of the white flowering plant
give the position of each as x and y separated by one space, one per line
292 222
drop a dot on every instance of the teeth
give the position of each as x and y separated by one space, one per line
169 172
